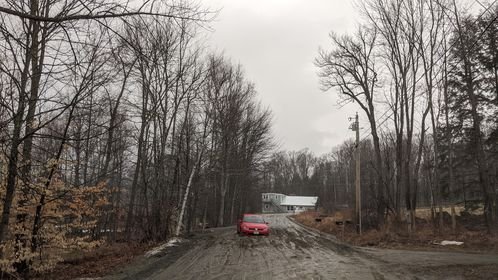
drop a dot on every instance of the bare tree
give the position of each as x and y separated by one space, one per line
351 67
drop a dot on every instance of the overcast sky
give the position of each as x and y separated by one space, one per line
276 42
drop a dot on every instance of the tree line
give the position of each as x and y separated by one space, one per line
424 74
118 124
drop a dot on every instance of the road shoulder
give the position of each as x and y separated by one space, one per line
145 267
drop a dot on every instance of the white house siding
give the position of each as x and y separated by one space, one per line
278 203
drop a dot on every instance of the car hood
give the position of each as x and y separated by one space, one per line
254 225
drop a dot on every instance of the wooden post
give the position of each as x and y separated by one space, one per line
357 181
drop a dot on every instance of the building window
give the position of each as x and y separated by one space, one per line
266 206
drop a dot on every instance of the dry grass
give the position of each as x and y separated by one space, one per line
425 213
95 263
397 236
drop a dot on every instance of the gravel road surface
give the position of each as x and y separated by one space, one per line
294 252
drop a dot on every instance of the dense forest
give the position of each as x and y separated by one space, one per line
116 124
424 75
119 124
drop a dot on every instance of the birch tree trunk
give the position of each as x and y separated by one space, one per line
187 192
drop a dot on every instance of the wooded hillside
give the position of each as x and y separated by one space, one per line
424 75
117 124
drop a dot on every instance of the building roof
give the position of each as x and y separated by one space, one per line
299 200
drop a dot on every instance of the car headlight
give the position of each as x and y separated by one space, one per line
245 228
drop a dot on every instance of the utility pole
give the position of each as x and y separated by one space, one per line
355 126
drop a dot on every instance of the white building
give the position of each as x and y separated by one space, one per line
281 203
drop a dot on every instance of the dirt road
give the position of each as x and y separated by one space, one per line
294 252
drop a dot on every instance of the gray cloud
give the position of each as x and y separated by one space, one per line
276 42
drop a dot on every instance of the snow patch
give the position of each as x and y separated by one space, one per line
159 249
446 242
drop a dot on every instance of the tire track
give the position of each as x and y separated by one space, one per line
290 252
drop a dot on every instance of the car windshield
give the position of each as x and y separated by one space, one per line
254 219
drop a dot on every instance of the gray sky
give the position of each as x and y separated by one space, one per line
276 41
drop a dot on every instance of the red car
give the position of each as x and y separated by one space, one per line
253 224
